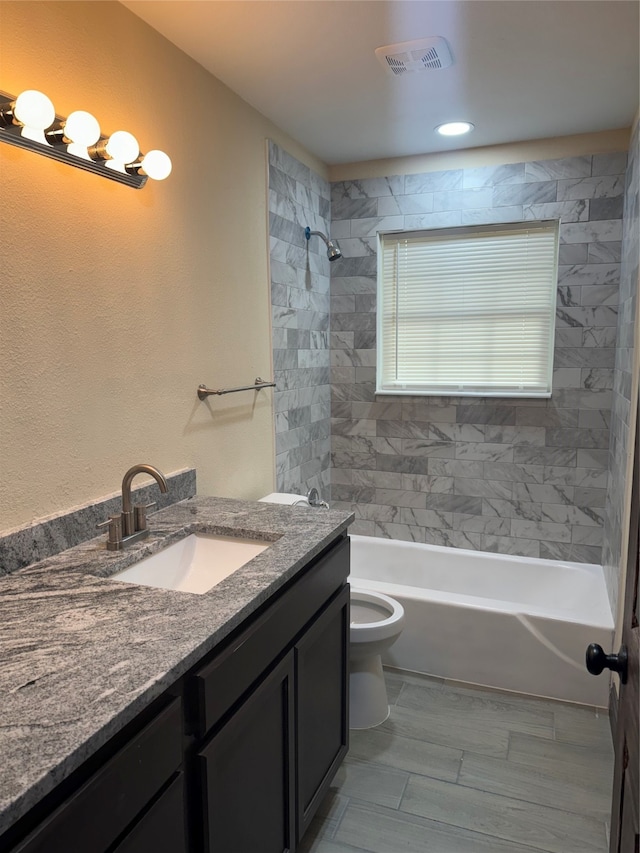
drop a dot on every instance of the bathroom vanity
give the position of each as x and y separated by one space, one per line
210 722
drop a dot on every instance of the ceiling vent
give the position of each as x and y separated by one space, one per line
421 55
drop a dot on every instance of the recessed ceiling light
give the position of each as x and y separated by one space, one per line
454 128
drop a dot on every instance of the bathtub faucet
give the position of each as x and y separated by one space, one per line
313 496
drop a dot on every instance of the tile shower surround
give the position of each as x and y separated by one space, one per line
506 475
621 435
300 324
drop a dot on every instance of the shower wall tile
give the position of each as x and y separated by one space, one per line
621 446
512 476
300 306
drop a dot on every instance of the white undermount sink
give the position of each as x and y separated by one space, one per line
194 564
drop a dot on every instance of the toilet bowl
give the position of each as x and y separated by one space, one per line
376 623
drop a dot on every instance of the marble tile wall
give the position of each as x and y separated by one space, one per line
49 536
506 475
300 324
621 444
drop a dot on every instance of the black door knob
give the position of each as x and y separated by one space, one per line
597 660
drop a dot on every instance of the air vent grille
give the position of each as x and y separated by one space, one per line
422 55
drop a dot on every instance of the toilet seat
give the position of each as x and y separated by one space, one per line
377 616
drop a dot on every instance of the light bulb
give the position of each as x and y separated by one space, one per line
35 112
123 148
83 130
454 128
156 164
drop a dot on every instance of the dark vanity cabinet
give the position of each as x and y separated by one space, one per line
237 756
272 717
132 799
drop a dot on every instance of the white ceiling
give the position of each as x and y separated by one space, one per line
524 69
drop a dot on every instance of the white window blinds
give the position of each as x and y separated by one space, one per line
468 311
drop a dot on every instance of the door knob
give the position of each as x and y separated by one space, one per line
597 660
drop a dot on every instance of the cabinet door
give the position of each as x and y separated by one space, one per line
247 772
322 684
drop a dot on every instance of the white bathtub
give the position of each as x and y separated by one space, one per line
513 623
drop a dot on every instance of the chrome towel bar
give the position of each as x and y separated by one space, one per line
204 392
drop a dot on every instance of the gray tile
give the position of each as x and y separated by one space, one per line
485 414
539 192
606 208
592 188
602 253
486 710
563 761
415 203
573 253
326 821
609 164
492 216
484 451
313 843
457 731
566 167
405 754
585 728
542 827
347 208
490 176
544 530
454 503
442 219
565 211
591 232
548 794
373 783
522 782
380 830
433 181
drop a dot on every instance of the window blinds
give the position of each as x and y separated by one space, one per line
468 311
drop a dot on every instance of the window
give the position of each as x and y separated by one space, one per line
468 311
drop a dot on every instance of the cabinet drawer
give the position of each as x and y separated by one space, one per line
223 681
99 811
162 827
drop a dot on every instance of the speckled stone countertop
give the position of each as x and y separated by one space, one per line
82 654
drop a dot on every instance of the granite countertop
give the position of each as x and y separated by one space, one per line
83 654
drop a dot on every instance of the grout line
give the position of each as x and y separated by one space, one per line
404 791
339 820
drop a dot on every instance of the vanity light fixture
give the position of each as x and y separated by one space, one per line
78 132
454 128
30 121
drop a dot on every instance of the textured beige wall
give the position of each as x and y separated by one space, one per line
116 303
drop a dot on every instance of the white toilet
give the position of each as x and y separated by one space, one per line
376 623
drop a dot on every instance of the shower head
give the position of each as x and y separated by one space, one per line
333 250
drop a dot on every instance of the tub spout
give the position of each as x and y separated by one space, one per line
313 496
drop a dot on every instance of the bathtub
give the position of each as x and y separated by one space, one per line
512 623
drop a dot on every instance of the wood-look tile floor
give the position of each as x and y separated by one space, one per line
462 770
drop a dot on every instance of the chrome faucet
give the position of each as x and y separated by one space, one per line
131 524
313 496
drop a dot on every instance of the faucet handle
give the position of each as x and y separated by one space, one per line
114 523
140 515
